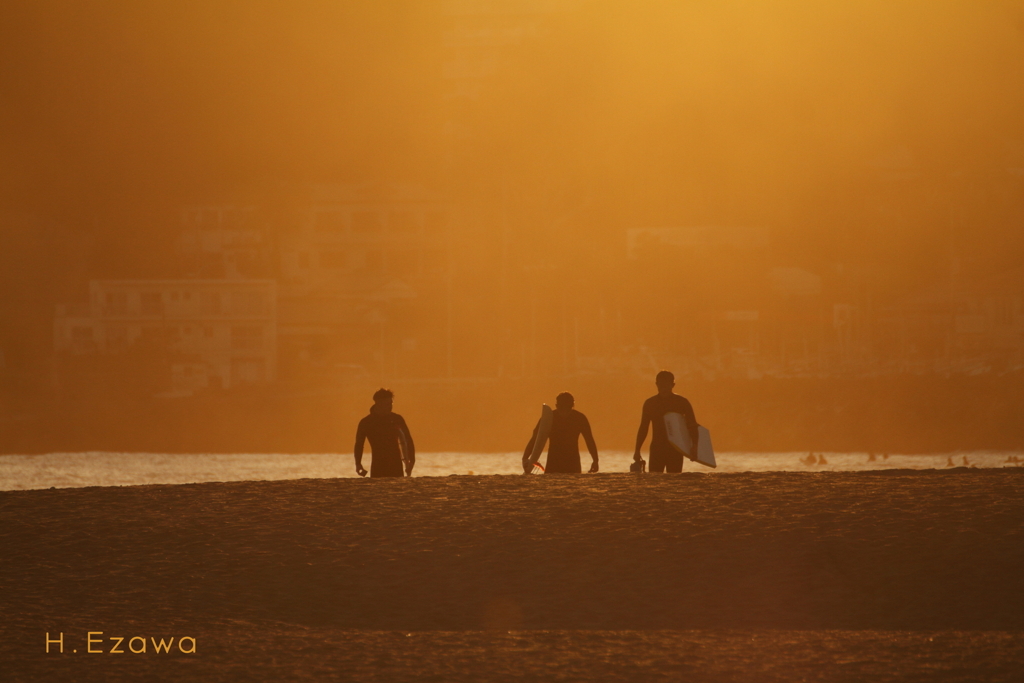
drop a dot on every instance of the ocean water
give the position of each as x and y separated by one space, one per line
63 470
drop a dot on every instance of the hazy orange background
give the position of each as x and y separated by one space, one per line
875 138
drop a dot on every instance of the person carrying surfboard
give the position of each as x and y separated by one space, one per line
665 457
390 439
567 424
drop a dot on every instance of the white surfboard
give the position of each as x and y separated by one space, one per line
705 453
679 437
678 434
403 447
543 432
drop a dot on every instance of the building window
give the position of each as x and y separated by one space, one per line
152 303
366 221
245 338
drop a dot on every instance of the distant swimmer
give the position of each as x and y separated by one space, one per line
809 460
567 424
390 440
664 457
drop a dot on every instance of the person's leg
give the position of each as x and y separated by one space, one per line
674 463
562 463
387 466
657 463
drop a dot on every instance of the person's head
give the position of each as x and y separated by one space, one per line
665 381
564 401
383 399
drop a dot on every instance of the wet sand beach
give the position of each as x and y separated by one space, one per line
889 575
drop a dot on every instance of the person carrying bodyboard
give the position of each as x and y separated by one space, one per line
664 456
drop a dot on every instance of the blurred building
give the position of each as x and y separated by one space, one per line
362 281
353 239
696 241
204 333
720 302
971 328
224 241
481 37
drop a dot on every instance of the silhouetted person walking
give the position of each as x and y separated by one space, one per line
664 457
384 429
567 424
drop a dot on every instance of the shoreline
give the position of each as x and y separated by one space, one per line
74 470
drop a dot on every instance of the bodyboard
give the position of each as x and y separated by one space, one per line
705 453
678 434
679 437
543 432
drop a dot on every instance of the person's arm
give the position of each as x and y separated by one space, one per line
588 437
641 435
411 445
358 450
528 452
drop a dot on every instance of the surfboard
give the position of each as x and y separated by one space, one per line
705 453
678 434
543 432
679 437
403 447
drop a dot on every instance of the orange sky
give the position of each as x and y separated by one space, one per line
578 120
878 144
726 99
